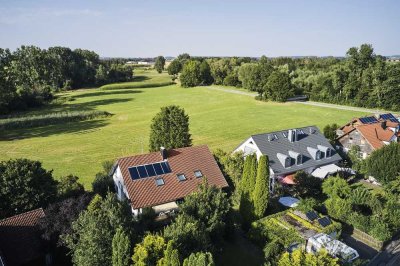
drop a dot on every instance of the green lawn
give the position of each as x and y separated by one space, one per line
217 118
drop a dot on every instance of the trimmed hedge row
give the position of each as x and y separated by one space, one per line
129 85
50 119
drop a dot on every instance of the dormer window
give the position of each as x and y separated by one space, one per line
297 157
159 182
198 173
284 159
318 155
181 177
326 151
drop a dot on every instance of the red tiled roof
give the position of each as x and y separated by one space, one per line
144 192
20 240
375 134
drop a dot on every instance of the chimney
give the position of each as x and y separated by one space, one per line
163 153
292 135
383 124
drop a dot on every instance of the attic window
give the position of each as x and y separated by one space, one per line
181 177
198 173
159 182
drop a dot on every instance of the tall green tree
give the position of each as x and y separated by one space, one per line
188 235
24 186
121 248
383 164
205 73
191 74
171 256
261 191
210 206
253 174
330 131
170 129
159 63
149 251
247 174
199 259
90 241
335 186
68 186
279 87
175 67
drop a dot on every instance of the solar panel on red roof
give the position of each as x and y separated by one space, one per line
368 120
149 170
134 173
158 169
142 171
389 117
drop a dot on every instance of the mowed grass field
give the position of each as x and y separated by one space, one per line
217 118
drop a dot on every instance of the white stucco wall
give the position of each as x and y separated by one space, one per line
119 181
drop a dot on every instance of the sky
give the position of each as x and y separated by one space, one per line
148 28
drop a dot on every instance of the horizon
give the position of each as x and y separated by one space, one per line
147 29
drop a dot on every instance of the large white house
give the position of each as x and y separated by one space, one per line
160 179
293 150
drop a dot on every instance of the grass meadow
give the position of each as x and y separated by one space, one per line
217 118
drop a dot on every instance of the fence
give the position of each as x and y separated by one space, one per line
367 239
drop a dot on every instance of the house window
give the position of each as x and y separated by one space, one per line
159 182
181 177
198 173
318 155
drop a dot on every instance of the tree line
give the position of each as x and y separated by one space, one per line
29 75
362 78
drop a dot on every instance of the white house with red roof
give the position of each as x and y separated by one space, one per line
160 179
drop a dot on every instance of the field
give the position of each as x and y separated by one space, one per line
217 118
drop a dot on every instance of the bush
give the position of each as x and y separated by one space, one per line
50 119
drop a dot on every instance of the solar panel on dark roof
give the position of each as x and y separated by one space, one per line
324 221
312 215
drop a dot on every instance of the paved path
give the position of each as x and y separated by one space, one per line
319 104
344 107
390 256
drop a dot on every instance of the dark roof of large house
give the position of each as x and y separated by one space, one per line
20 240
144 192
309 137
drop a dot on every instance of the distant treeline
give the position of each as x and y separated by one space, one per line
362 78
29 75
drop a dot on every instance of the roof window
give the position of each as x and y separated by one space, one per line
198 173
181 177
159 182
